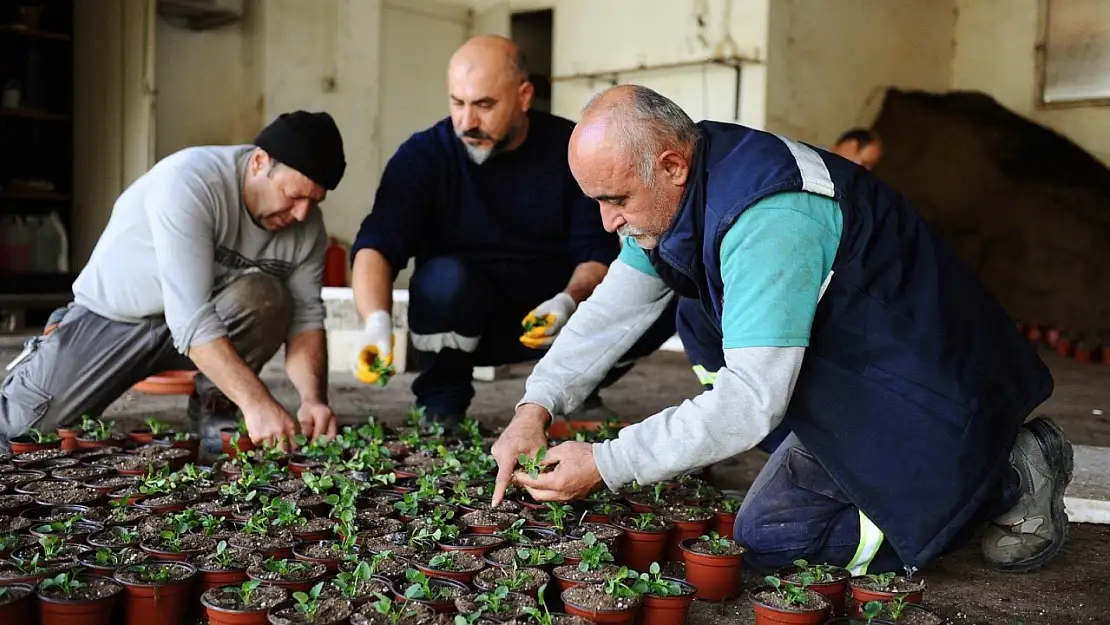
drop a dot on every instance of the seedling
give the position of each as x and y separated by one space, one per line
318 484
308 603
532 466
538 556
717 544
624 584
42 438
246 590
595 555
156 427
378 559
821 572
730 505
420 587
446 561
67 581
96 430
494 601
284 567
871 610
517 580
793 593
348 583
540 615
514 533
556 514
393 611
62 528
882 581
655 584
52 546
153 573
895 606
643 520
224 556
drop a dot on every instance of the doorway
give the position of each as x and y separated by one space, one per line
533 32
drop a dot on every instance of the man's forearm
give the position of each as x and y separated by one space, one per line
221 363
749 399
372 282
585 279
306 364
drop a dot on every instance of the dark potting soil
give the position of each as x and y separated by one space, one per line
307 500
657 524
215 508
507 505
115 481
142 574
703 547
43 454
240 560
21 541
571 572
15 524
900 584
254 542
488 518
87 455
316 524
121 557
686 513
456 561
164 500
373 528
93 588
126 462
475 540
811 600
512 607
603 532
14 593
113 537
382 543
569 548
322 550
292 485
411 613
491 578
390 568
719 506
15 478
261 598
365 589
831 576
912 616
298 571
79 473
503 555
593 597
189 543
67 553
45 486
10 571
327 611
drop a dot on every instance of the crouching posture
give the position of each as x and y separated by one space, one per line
904 385
210 261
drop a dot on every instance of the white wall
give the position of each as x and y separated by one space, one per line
996 44
830 62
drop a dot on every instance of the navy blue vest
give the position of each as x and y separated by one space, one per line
916 380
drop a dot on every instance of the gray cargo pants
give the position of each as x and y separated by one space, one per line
88 361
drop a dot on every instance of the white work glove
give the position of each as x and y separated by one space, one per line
375 343
542 325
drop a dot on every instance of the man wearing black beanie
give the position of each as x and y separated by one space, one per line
211 261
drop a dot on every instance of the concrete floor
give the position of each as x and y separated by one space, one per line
1072 589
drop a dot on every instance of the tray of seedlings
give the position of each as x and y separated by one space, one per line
381 526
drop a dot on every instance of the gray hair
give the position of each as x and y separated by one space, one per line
651 124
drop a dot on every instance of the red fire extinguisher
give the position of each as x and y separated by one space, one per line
335 264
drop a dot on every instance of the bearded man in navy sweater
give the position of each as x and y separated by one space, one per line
501 233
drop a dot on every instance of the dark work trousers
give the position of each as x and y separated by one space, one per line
701 340
794 509
459 318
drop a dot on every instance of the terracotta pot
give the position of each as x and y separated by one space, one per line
639 548
314 536
767 615
717 578
207 580
723 524
1084 353
54 610
173 382
25 445
19 612
860 596
668 610
627 616
564 582
245 443
69 438
292 587
835 591
169 556
332 564
463 577
222 616
684 530
141 437
164 604
192 445
446 606
476 551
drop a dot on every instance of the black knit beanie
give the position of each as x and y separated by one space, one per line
307 142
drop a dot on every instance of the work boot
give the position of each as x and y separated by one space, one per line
208 414
1034 530
592 409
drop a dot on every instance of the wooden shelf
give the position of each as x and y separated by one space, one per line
34 114
35 34
35 196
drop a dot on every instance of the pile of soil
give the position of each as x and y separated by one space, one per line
1023 206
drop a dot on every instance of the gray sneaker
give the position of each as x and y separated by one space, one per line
1031 533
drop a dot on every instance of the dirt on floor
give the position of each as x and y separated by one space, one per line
1071 589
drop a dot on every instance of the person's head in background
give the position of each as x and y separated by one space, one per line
861 146
490 94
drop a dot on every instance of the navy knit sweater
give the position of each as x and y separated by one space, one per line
520 217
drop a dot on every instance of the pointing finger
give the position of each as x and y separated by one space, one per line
504 478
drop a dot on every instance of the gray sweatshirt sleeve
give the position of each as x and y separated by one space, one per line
748 400
605 326
308 277
182 228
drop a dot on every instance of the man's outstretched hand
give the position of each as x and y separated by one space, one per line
574 476
524 435
317 420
